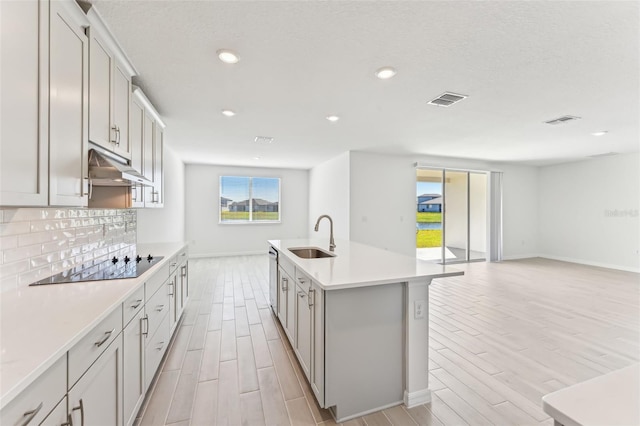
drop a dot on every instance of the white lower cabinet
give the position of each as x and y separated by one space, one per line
155 348
303 326
317 343
37 400
96 399
133 367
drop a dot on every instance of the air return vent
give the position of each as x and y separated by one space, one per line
563 119
447 99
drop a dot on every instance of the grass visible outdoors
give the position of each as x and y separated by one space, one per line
428 217
245 216
428 237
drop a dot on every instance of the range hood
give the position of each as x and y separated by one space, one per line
106 169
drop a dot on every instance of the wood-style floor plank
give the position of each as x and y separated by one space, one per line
501 337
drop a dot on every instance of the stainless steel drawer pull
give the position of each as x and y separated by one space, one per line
104 339
173 264
159 308
312 297
135 305
285 284
301 294
29 415
171 285
161 346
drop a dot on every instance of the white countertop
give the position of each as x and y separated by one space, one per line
611 399
359 265
39 324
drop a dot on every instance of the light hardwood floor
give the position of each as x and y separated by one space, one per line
502 336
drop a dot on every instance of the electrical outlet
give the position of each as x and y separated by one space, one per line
418 309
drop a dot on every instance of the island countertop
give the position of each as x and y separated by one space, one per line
359 265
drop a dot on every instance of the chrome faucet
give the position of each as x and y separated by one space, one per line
332 243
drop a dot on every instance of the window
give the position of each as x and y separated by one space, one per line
249 199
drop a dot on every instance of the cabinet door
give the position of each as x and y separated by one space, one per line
173 297
184 285
283 287
133 368
148 157
121 102
316 378
158 167
23 104
67 109
97 397
136 129
290 328
303 329
100 89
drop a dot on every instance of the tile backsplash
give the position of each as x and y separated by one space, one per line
37 243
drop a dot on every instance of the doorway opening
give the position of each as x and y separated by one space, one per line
451 215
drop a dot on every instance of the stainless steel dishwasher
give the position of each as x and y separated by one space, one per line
273 279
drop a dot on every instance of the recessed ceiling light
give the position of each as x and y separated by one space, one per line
227 56
385 73
602 133
228 112
333 118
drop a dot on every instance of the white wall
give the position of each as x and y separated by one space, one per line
575 204
209 238
382 200
329 194
166 224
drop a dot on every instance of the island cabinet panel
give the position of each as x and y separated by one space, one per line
364 352
317 344
286 303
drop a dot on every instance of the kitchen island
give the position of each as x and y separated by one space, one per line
357 319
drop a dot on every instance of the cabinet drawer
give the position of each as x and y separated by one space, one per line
87 350
156 280
37 400
156 347
132 306
287 265
157 307
303 281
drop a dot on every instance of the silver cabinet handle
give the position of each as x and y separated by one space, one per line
161 346
115 134
312 298
285 287
183 254
173 264
146 329
134 197
104 339
118 135
29 415
89 188
81 408
136 304
171 285
302 294
183 271
159 308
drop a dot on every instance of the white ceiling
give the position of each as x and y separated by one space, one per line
521 63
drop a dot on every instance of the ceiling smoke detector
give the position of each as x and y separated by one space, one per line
563 119
447 99
263 139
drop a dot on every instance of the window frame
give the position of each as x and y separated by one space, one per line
251 221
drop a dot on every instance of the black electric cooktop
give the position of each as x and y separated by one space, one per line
114 269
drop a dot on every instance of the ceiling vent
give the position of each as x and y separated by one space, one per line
447 99
263 139
563 119
606 154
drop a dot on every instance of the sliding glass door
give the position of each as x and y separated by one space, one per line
451 215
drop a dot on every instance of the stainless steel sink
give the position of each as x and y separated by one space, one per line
310 252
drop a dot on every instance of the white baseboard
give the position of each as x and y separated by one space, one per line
417 398
243 253
590 263
363 413
520 256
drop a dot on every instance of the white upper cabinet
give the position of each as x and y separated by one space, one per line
24 60
68 63
43 149
110 73
136 137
